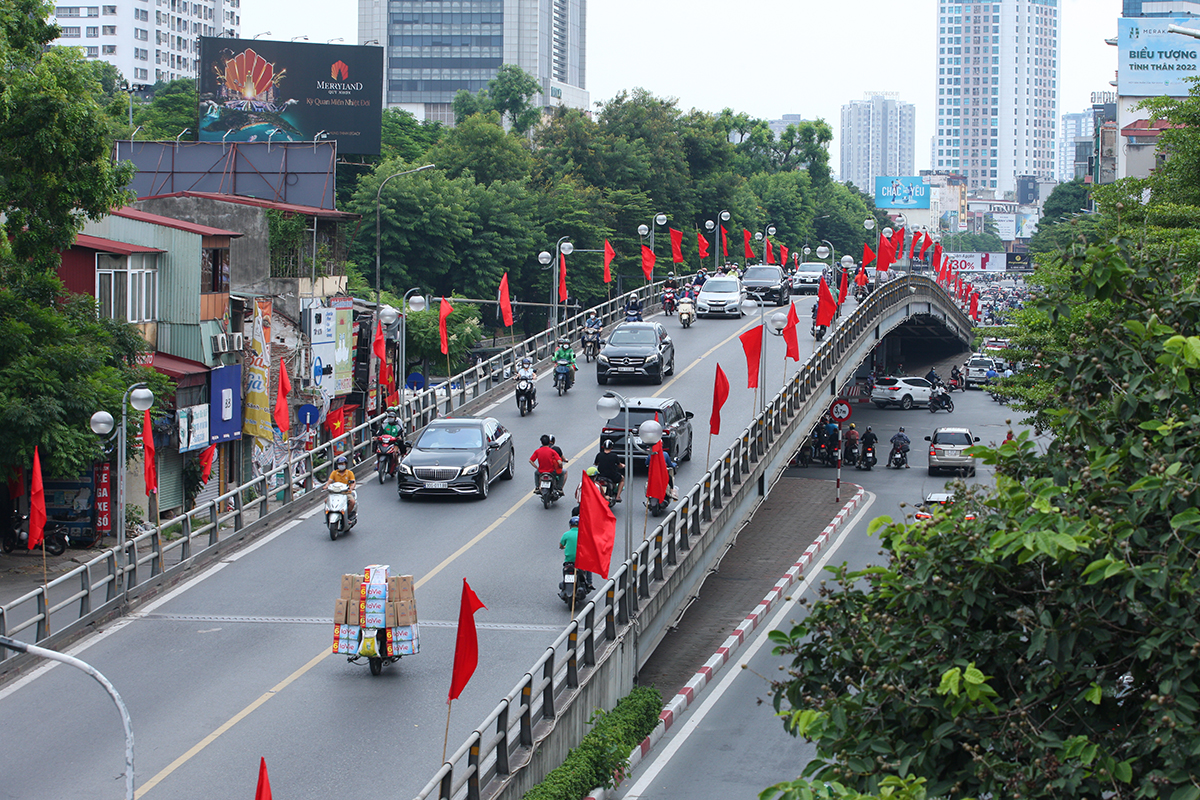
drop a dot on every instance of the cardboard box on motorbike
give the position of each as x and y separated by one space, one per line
375 602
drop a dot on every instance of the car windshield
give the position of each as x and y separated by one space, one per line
445 437
808 267
720 285
953 438
761 274
642 336
980 362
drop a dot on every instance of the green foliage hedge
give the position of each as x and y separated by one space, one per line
604 751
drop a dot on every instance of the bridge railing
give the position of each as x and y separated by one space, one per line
593 661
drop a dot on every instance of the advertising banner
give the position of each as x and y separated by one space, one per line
1152 61
257 91
71 503
1026 225
902 193
322 338
343 363
1006 226
976 262
1019 262
258 370
193 428
104 500
225 404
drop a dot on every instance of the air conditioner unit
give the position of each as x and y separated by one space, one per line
216 343
222 343
237 342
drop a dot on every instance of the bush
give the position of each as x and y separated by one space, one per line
604 752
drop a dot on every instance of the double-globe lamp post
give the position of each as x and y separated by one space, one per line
141 398
758 237
411 302
778 323
561 248
713 227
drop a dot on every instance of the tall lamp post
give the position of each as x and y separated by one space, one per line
378 200
141 398
644 231
561 248
713 226
758 237
778 323
416 303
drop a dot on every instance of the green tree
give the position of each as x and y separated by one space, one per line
172 111
1066 199
479 147
405 138
424 340
508 94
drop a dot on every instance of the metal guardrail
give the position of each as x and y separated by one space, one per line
488 763
96 589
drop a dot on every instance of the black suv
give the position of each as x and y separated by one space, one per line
636 350
666 411
767 284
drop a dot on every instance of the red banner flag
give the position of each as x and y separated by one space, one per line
150 467
466 647
263 792
887 254
861 278
597 531
676 246
898 244
842 287
770 252
505 302
562 278
724 242
206 462
335 421
791 338
282 417
975 306
925 245
444 310
868 254
609 255
647 262
702 244
937 259
752 341
747 249
37 502
656 477
378 346
826 308
720 395
783 254
912 253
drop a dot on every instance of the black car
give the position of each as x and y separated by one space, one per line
636 350
768 284
457 455
666 411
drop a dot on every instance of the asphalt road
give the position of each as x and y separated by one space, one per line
729 743
235 664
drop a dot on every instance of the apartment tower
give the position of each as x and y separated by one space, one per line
877 138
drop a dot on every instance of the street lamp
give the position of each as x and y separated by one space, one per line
378 197
561 248
264 33
648 230
331 41
416 304
778 323
294 38
712 227
141 398
758 237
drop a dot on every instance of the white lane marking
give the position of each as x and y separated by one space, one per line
697 716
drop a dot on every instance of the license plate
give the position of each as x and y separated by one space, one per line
545 484
626 369
568 579
437 485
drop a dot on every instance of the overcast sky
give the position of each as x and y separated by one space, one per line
765 57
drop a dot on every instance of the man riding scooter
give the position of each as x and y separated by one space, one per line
565 353
547 459
343 474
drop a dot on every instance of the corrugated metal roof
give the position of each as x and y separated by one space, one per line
168 222
103 245
324 213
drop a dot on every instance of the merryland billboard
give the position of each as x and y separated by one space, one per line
259 91
901 193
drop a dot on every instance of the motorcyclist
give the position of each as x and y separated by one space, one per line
633 307
701 277
851 439
670 462
546 459
956 374
559 450
567 543
902 441
565 353
526 372
933 377
342 473
611 466
670 282
593 322
868 438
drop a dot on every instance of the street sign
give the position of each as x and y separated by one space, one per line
840 410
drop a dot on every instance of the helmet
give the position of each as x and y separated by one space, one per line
574 523
868 427
670 274
340 461
851 426
591 472
563 340
526 362
607 445
902 429
552 438
591 314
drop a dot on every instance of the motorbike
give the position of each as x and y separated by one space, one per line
860 295
659 507
526 396
570 588
940 399
818 332
633 315
687 312
850 454
591 343
54 538
898 458
337 514
668 301
956 382
387 455
562 376
547 489
868 458
607 488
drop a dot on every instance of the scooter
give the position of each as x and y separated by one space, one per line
850 454
687 312
860 295
633 315
547 490
562 376
659 507
940 399
898 458
607 488
591 343
526 396
54 538
668 302
337 515
571 588
387 455
818 332
868 458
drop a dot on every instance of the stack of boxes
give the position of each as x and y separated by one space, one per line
372 602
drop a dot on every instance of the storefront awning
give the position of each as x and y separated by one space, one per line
183 371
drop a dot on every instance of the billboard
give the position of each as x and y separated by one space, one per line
260 91
976 262
1006 226
1153 62
1026 225
902 193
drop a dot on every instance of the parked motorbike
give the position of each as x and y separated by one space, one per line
337 510
868 458
387 455
898 458
547 489
526 396
574 585
54 537
668 301
818 332
562 376
687 312
940 399
591 343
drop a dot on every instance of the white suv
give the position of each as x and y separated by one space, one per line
977 368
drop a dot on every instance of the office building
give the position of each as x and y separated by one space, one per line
1161 8
878 137
1074 126
148 42
779 126
997 73
434 48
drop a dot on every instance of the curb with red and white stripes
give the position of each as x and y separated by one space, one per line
705 675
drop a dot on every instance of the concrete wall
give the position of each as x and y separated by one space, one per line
249 254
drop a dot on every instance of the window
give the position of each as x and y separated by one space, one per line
109 11
70 33
93 52
214 270
92 32
108 49
109 30
127 287
66 11
93 11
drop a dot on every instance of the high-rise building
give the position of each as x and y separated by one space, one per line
997 76
1161 8
148 42
1074 126
878 138
434 48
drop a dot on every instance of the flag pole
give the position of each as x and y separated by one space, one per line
646 520
708 452
446 740
45 582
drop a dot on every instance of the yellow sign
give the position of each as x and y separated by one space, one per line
257 403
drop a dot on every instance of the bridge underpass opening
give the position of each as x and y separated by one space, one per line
921 339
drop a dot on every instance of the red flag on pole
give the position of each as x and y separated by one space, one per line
724 242
676 246
975 306
597 531
282 417
466 647
747 249
790 337
916 240
378 346
37 502
444 310
562 278
263 792
656 478
752 341
898 244
609 255
206 462
335 421
505 302
842 287
770 252
720 395
926 244
150 471
861 278
826 308
783 254
702 243
936 265
887 254
868 254
647 262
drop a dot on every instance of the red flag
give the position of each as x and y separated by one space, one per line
597 531
656 478
887 254
282 419
926 244
702 243
206 462
975 305
647 262
752 341
609 255
868 254
826 308
916 240
724 242
898 244
466 648
335 421
37 502
747 249
562 278
150 473
263 792
783 254
720 395
444 310
790 337
770 252
505 302
676 246
842 287
861 278
937 259
378 346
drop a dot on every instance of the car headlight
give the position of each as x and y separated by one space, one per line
471 470
603 359
405 469
652 359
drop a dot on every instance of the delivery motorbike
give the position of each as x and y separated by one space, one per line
687 312
591 343
547 488
337 510
387 455
526 396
